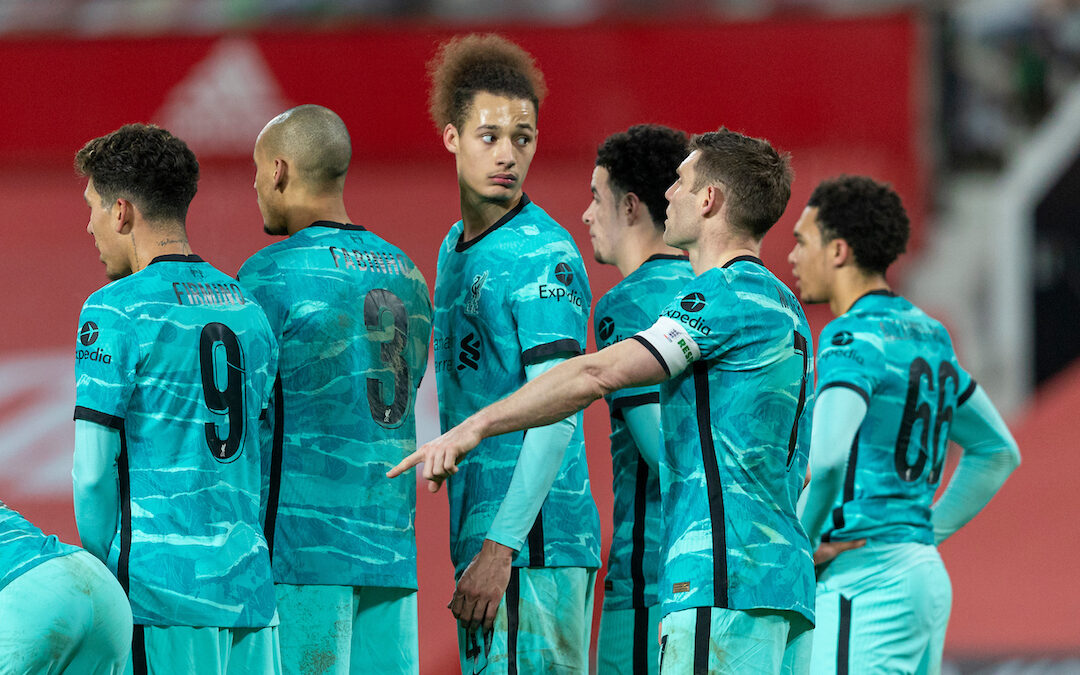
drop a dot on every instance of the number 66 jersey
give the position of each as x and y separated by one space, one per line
901 361
178 358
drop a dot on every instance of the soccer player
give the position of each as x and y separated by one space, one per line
61 611
626 224
890 395
511 300
352 316
733 352
173 369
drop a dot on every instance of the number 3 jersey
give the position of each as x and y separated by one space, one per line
178 358
736 421
514 296
902 363
353 320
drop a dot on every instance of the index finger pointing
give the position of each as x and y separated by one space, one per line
405 464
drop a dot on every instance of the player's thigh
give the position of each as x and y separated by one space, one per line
177 650
105 648
543 624
315 629
44 618
385 638
892 620
254 651
723 641
629 641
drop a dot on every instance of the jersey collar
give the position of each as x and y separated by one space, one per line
176 257
507 217
337 225
747 258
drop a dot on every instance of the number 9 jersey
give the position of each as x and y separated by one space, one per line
178 358
902 363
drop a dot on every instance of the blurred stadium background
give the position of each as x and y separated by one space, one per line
970 108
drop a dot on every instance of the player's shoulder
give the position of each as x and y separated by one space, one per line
118 296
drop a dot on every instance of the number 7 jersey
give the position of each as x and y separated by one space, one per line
902 363
178 358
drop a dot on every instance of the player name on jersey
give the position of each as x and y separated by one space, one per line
373 261
197 293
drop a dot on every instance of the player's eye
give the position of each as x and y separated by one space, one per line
523 140
487 138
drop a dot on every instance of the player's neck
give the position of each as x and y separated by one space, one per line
850 285
151 241
638 251
314 209
478 215
718 251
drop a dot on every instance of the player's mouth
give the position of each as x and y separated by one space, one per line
504 179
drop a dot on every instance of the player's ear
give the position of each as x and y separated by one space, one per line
713 200
840 252
450 138
630 205
281 173
123 215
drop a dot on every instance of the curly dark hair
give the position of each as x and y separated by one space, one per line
144 164
469 64
868 215
644 160
756 178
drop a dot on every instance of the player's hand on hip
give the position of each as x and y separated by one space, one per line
439 456
482 586
827 551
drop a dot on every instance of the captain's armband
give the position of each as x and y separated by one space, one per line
671 344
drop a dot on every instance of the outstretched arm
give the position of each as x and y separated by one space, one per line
565 389
990 455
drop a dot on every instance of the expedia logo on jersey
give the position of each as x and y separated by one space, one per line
469 356
565 275
88 335
692 304
472 301
843 338
606 329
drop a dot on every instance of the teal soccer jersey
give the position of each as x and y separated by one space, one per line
629 307
353 319
514 296
736 422
178 358
23 546
902 363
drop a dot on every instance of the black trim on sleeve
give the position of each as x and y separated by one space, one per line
847 385
702 628
962 398
276 451
463 245
541 352
97 417
513 599
641 641
843 640
714 489
176 257
742 258
338 226
652 350
635 400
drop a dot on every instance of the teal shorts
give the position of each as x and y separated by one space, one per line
68 614
629 641
338 630
882 607
543 625
735 642
183 650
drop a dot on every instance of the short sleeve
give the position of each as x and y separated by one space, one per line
551 302
849 357
106 354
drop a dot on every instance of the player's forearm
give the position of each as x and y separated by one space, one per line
990 456
95 486
838 414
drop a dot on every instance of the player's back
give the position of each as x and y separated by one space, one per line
901 361
353 318
177 358
736 446
23 546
